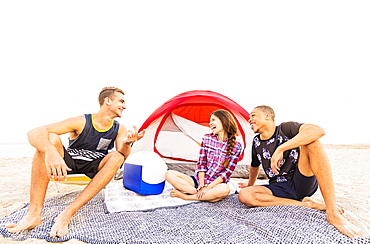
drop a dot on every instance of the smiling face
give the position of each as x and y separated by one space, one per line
256 120
259 120
216 125
116 104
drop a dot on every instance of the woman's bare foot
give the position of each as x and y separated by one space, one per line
60 227
317 205
28 222
179 194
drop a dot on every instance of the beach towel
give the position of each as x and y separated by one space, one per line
226 221
118 199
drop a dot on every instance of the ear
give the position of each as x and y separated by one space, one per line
107 101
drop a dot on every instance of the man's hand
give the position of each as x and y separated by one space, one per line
275 161
243 185
133 136
55 166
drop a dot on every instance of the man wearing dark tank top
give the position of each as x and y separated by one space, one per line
295 163
92 136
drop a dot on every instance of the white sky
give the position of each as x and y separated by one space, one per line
309 60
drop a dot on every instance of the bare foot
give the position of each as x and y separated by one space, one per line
179 194
60 228
28 222
313 204
344 226
317 205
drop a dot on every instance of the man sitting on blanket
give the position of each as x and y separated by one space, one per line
296 164
91 136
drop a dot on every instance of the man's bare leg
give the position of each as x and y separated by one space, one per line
320 166
313 161
260 196
215 194
39 184
109 167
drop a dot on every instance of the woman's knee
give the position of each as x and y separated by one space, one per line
170 175
224 190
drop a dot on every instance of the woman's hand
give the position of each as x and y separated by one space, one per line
201 191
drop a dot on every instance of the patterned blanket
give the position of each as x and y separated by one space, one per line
227 221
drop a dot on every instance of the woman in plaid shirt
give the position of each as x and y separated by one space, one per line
218 157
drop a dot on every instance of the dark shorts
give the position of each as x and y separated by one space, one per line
89 168
296 188
196 183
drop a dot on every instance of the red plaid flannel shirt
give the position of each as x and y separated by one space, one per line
212 154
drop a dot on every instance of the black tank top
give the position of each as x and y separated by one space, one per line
91 143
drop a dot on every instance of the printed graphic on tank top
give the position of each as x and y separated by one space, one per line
93 144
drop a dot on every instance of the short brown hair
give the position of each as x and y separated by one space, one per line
267 109
108 92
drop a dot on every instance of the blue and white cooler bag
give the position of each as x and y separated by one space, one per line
144 173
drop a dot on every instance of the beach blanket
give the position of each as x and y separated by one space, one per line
118 199
226 221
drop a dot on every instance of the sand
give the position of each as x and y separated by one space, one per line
350 166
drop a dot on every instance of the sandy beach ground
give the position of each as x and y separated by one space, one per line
350 167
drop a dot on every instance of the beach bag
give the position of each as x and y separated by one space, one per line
144 173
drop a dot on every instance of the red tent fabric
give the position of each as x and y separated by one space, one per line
197 107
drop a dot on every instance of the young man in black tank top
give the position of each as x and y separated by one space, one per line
91 136
296 163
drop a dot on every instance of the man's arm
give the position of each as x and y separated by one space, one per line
253 174
126 138
39 138
307 134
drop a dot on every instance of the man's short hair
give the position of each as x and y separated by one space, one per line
108 92
267 109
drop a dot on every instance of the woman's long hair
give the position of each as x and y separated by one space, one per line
231 128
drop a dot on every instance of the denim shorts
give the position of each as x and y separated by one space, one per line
196 183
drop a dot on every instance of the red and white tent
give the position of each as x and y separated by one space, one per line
175 130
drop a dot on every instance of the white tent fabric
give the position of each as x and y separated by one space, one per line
179 138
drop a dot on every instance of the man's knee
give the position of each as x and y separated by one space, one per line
55 140
314 146
247 196
57 143
116 157
313 152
